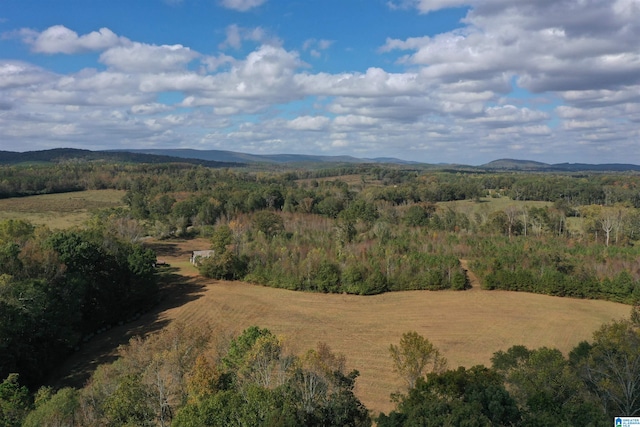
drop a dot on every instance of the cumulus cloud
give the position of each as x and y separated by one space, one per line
60 39
242 5
549 46
150 108
141 57
14 74
314 123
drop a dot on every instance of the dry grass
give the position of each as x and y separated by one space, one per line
468 327
58 211
488 205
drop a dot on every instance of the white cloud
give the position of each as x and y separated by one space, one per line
241 5
315 47
235 35
505 116
352 122
60 39
426 6
150 108
140 57
314 123
15 74
213 63
450 97
550 46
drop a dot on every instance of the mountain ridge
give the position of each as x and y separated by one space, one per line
222 158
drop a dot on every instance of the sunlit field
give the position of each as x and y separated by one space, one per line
467 326
58 211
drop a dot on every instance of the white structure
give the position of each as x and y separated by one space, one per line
196 256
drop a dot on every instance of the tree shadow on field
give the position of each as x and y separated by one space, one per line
175 290
164 249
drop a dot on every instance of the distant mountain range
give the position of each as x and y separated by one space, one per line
220 158
61 155
528 165
232 156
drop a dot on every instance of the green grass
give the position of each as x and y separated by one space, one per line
59 211
488 205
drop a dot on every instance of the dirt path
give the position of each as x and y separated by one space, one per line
473 279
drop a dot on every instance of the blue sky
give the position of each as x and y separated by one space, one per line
465 81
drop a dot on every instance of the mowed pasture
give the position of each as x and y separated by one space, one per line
468 327
59 211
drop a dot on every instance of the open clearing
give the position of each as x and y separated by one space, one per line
62 210
468 327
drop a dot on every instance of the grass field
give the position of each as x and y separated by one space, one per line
58 211
468 327
487 205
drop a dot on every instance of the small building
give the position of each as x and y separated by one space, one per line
196 256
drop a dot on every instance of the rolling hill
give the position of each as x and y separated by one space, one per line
221 158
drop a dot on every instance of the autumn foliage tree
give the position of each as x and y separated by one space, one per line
414 357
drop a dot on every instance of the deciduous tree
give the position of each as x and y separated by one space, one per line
414 357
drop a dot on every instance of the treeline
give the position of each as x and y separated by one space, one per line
421 250
396 184
188 377
555 266
58 287
19 181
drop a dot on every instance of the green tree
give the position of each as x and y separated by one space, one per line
16 230
221 238
414 357
417 216
268 222
225 266
612 367
547 388
127 405
242 345
61 409
15 402
475 398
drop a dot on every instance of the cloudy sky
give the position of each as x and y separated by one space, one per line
465 81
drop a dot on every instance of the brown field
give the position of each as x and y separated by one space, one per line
58 211
468 327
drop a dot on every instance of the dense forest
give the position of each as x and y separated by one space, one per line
360 229
57 288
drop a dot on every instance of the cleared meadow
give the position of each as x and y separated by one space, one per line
59 211
468 327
